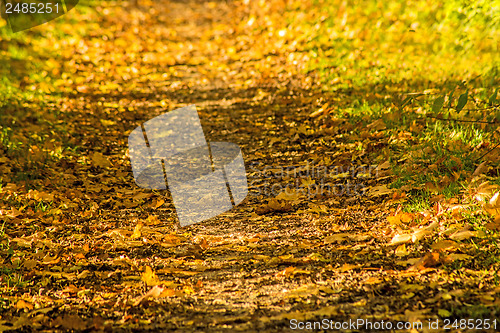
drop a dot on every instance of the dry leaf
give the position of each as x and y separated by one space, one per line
22 304
377 125
432 259
348 267
154 292
401 250
444 244
495 225
286 272
137 231
372 280
336 238
459 256
400 239
149 277
157 203
462 235
378 191
99 160
481 169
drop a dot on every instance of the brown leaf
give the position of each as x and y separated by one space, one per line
495 225
99 160
336 238
274 205
157 203
379 190
154 292
432 259
377 125
481 169
462 235
71 322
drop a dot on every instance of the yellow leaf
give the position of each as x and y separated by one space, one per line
444 313
149 277
99 160
401 250
459 256
394 220
137 231
171 292
372 280
157 203
444 244
286 272
348 267
291 195
188 290
107 123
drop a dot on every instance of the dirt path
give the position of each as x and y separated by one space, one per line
255 268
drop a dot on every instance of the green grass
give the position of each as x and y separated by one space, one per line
9 275
391 61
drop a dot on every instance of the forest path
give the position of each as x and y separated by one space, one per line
112 254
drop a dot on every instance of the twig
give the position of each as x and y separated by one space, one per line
489 151
463 120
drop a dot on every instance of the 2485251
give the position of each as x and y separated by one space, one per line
469 324
32 8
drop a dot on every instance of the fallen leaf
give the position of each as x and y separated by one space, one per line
157 203
379 190
495 225
462 235
149 277
443 313
459 256
444 244
348 267
286 272
401 250
336 238
432 259
372 280
400 239
481 169
99 160
377 125
22 304
154 292
137 231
